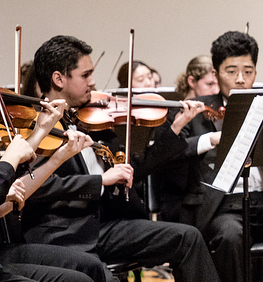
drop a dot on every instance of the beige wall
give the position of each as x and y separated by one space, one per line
168 33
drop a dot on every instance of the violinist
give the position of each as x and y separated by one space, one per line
216 215
142 76
84 208
15 267
45 122
198 80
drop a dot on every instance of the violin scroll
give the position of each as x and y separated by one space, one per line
107 155
213 115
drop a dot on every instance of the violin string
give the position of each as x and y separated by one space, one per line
106 85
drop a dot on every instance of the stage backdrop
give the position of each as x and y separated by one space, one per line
168 33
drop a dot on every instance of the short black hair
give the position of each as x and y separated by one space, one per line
233 44
60 53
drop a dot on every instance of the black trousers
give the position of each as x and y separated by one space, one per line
56 256
40 273
154 243
225 239
150 243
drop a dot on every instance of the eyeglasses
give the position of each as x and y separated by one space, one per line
235 73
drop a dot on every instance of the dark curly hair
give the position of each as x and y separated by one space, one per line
60 53
233 44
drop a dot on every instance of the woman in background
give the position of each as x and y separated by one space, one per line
198 80
141 75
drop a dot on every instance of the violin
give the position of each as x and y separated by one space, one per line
20 108
24 115
56 138
102 112
148 110
114 112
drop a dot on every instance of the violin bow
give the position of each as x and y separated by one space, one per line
106 85
102 54
8 123
18 36
247 28
5 116
128 126
15 205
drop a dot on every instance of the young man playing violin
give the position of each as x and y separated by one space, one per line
216 215
82 206
23 263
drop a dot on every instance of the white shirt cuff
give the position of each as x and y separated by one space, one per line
204 144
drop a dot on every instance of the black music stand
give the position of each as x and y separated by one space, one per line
237 108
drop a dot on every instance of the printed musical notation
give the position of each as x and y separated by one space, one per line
240 148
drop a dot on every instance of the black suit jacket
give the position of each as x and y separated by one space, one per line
183 197
67 209
197 127
7 176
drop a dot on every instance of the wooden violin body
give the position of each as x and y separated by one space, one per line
115 112
104 111
148 110
20 108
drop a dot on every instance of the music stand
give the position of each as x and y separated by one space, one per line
238 105
169 93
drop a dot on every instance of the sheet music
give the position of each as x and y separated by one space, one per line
239 150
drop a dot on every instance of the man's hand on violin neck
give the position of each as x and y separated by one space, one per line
190 110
